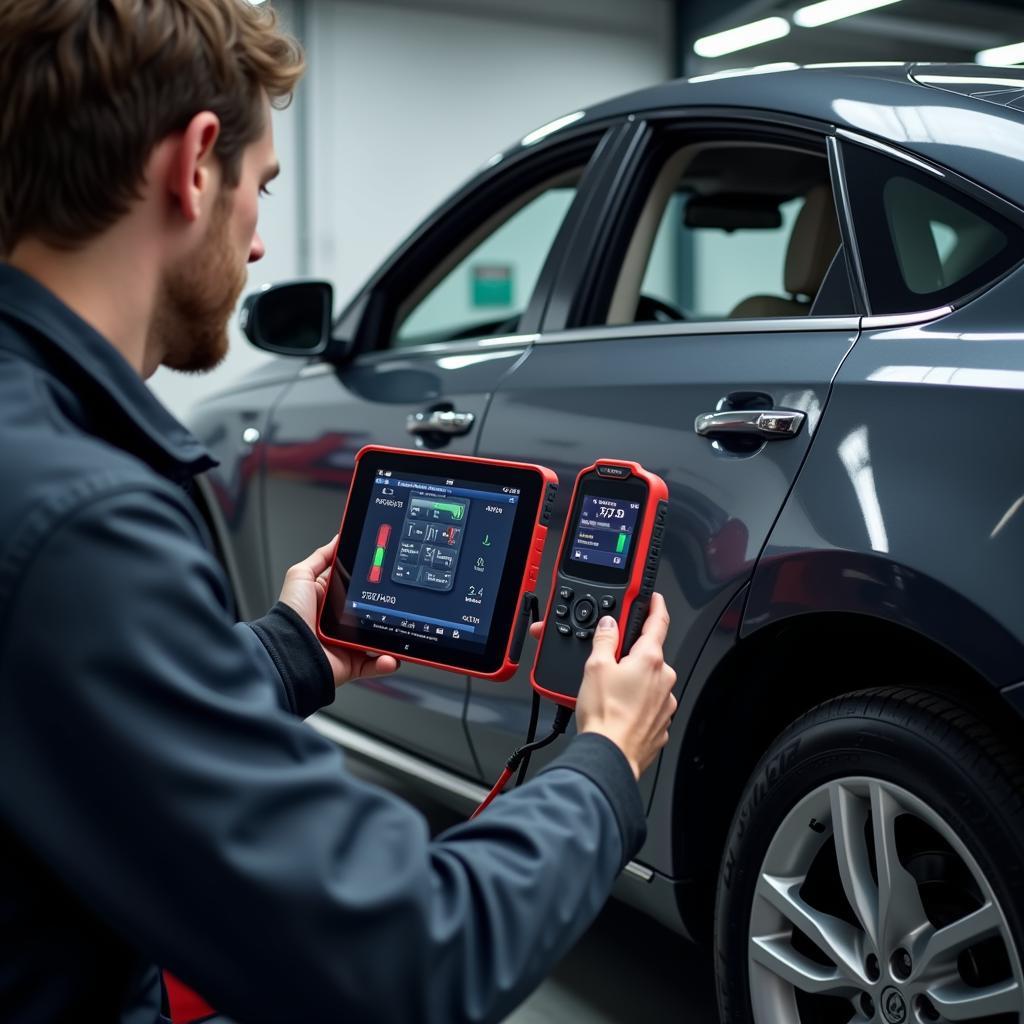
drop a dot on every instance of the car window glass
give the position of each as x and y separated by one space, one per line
729 230
923 243
484 291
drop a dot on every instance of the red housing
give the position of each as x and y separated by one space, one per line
530 573
657 490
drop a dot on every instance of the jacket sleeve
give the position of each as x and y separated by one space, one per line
145 756
300 668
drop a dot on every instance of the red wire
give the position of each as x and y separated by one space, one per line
498 787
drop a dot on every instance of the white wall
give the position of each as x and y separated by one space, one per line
406 99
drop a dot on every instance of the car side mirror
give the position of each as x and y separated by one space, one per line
289 319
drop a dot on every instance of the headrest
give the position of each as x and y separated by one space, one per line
813 243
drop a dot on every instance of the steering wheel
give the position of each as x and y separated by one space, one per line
649 308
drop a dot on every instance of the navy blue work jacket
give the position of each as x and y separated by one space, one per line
161 800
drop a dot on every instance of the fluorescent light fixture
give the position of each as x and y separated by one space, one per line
739 38
832 10
761 69
1001 56
552 126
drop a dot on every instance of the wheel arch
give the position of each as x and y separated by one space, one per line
775 674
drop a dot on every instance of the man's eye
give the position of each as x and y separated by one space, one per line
264 191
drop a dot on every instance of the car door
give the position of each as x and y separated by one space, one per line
716 291
432 335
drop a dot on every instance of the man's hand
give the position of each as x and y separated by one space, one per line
304 590
630 701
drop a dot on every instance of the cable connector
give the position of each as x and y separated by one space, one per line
563 715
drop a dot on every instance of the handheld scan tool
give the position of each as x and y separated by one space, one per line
607 565
437 559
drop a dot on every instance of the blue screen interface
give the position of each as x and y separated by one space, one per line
430 557
604 531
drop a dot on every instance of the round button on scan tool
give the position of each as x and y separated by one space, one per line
584 610
607 602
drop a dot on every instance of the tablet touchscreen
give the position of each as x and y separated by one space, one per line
432 557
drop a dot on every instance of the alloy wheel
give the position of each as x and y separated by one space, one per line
869 907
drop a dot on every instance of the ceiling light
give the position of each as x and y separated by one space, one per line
757 32
1001 56
832 10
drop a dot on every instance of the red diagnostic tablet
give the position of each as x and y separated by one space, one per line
607 565
438 558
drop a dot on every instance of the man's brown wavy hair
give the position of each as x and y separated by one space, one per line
89 87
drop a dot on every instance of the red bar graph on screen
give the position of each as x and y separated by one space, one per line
383 534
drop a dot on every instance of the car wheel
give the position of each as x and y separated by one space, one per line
874 871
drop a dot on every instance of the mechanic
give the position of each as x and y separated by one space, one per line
161 801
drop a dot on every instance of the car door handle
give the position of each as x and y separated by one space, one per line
440 421
767 424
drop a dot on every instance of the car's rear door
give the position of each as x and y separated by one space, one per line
615 374
434 333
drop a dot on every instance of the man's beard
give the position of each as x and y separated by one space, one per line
197 297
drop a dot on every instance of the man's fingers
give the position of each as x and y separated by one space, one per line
384 665
606 639
367 665
656 625
320 560
536 629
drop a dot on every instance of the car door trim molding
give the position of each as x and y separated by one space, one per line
379 752
906 319
759 326
896 154
847 228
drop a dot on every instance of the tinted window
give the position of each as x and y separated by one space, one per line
922 242
482 286
729 230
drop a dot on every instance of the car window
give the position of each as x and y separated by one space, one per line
923 243
482 285
729 230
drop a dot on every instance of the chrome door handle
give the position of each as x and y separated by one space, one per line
767 424
440 421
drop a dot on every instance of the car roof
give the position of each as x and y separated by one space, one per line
960 116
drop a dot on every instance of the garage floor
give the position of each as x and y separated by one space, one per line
625 969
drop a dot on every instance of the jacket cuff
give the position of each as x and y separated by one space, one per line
602 762
298 657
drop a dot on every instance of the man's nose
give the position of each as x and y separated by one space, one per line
257 249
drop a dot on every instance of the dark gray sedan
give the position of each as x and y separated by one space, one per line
796 296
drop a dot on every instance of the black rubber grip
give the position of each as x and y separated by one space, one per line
529 611
642 604
637 618
550 493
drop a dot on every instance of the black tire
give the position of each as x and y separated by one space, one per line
942 754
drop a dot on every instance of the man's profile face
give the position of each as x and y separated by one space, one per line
198 294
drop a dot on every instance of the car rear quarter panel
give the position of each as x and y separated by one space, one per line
910 506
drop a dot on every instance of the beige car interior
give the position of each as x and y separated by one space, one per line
708 167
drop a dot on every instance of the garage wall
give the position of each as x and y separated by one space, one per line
405 99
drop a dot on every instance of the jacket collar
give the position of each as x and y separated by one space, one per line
29 303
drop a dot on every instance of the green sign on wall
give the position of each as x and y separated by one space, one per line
492 285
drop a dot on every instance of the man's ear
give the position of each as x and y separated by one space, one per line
195 172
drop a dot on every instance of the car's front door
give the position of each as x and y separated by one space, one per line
706 311
440 327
